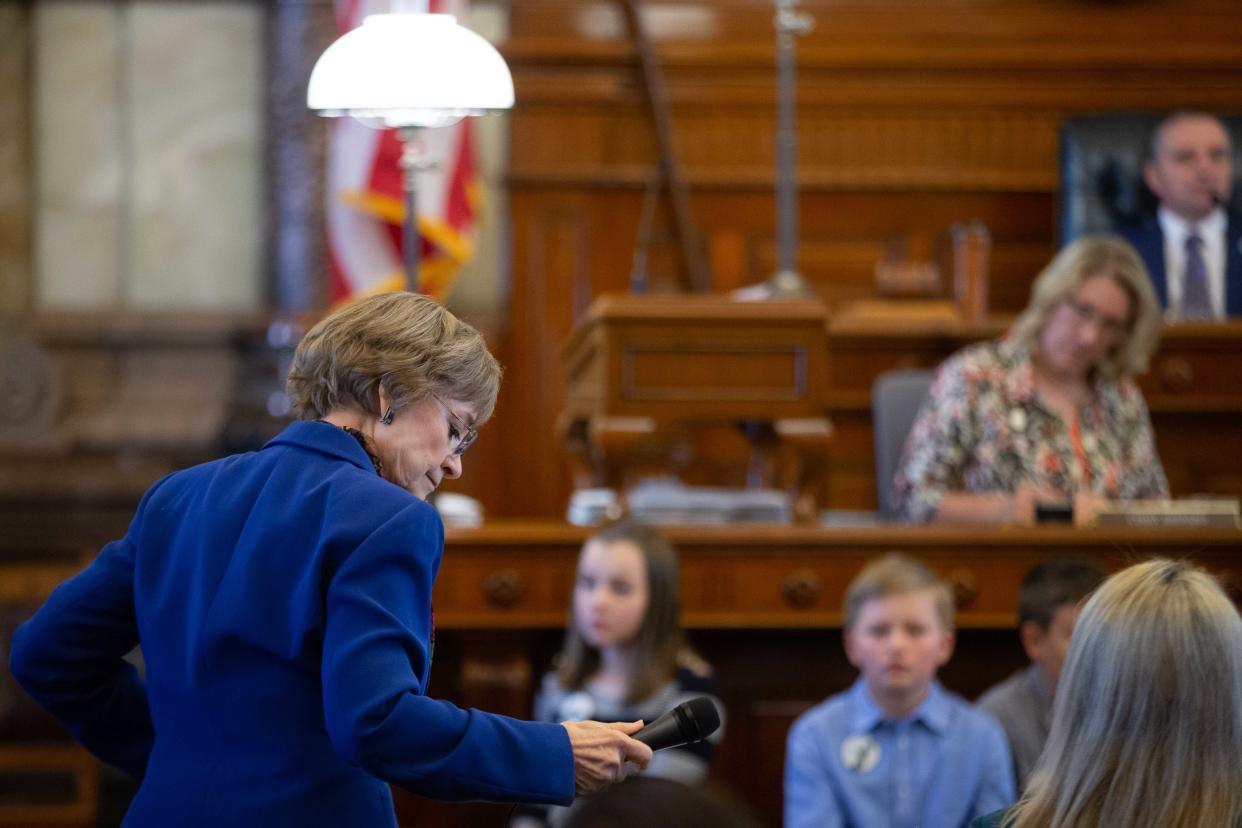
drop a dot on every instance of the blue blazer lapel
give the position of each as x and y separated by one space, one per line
1148 240
1233 269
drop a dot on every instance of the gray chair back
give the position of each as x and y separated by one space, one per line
896 397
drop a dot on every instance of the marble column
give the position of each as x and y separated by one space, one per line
297 32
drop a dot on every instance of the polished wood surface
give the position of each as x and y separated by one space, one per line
61 786
697 358
45 779
519 573
645 373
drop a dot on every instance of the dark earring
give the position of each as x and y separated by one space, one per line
387 418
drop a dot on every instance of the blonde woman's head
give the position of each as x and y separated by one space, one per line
1133 330
1147 723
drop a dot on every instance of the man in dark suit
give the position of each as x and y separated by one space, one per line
1192 249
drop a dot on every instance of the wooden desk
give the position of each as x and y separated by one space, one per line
48 779
644 372
518 574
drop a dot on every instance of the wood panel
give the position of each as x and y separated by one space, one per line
517 574
697 358
912 116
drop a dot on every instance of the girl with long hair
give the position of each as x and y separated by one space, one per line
625 656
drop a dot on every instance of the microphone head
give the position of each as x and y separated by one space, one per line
691 721
701 718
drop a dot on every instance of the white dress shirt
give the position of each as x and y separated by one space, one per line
1176 230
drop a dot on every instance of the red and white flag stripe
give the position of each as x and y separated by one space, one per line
365 207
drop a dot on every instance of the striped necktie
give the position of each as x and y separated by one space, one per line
1196 304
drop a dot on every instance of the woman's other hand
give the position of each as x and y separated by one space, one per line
601 751
1086 506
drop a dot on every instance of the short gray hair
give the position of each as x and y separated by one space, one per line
409 344
1080 260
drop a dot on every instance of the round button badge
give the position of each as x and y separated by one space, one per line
860 754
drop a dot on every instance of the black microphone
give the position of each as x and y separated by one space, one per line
691 721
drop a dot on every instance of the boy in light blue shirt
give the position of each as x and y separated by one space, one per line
896 750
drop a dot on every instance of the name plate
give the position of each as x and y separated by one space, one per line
1191 514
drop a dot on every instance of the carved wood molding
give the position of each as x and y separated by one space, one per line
1216 53
100 405
955 149
30 391
881 33
741 576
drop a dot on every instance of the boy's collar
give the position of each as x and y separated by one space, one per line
933 712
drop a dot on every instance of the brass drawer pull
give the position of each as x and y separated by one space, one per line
503 588
801 588
1176 374
965 587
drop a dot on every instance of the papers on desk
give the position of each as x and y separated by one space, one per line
1213 513
589 507
850 519
672 502
458 509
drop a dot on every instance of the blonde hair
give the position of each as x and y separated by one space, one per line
895 574
1147 723
660 646
1082 259
407 343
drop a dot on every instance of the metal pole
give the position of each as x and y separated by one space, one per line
411 164
789 24
786 150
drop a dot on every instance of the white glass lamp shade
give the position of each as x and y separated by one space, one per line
410 70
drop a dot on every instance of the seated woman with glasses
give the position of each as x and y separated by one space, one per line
1047 419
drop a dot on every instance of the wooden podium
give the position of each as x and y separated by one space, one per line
644 371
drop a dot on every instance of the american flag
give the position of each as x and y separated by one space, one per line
365 206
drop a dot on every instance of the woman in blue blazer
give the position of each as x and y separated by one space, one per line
282 599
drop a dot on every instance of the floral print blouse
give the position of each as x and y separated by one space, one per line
984 429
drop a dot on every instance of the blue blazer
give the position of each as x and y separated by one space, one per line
282 599
1148 239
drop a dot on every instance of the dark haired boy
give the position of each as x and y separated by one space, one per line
1048 604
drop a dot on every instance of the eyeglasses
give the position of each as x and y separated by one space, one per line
463 434
1086 313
